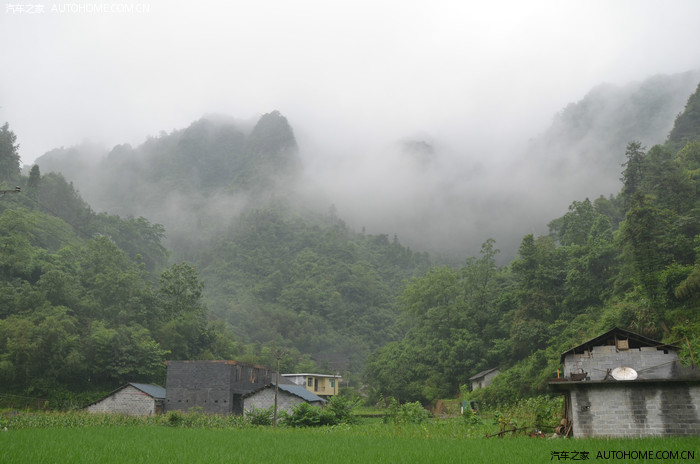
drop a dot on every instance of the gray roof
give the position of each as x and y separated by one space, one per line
296 390
483 373
155 391
302 393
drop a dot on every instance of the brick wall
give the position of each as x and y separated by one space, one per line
634 409
128 400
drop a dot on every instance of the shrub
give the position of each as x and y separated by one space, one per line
407 413
342 408
174 418
302 415
470 417
259 416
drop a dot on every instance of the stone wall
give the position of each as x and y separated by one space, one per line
635 409
649 362
128 400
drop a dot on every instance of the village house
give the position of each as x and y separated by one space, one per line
483 379
287 397
135 399
622 384
229 387
322 385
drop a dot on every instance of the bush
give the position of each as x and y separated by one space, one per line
259 416
338 410
303 415
174 418
470 417
407 413
342 408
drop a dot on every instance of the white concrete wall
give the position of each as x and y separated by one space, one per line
266 398
649 362
128 400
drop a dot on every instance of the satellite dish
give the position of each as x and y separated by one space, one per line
624 373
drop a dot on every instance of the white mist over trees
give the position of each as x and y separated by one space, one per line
435 195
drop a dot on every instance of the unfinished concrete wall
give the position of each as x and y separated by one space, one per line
649 362
128 400
213 387
635 409
200 386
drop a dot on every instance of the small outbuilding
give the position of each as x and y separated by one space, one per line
622 384
287 397
136 399
483 379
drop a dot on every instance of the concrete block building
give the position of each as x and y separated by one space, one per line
622 384
214 387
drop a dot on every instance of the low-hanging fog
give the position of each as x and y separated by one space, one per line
440 122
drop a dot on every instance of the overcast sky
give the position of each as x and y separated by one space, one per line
345 73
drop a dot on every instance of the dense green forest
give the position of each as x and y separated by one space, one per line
630 260
91 300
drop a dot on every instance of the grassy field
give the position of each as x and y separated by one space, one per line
371 442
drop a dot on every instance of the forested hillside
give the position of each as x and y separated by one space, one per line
91 300
631 260
309 282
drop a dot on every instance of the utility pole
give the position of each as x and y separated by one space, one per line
278 354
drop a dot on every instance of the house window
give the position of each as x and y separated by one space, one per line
310 382
332 382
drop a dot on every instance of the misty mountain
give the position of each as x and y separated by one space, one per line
687 125
448 198
436 197
585 145
193 181
629 261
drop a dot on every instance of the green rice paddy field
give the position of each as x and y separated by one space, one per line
377 443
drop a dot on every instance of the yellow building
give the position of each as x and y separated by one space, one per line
323 385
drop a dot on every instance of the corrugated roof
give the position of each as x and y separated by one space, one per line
155 391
